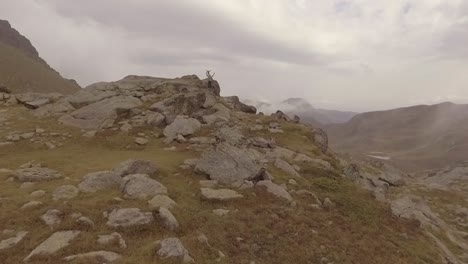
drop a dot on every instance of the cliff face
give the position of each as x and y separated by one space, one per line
23 70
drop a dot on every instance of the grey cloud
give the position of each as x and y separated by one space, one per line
183 25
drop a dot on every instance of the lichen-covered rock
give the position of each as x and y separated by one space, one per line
36 174
12 241
275 189
106 256
159 201
65 192
114 238
168 219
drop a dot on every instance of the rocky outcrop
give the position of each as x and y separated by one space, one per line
320 138
234 103
182 125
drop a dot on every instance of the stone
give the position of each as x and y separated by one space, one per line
96 181
27 135
126 127
263 143
159 201
106 256
129 217
36 174
220 194
182 125
292 182
279 115
13 241
102 114
90 134
52 218
155 119
37 194
31 204
168 219
65 192
53 244
220 212
49 145
141 141
173 248
227 164
233 102
414 207
275 189
231 135
393 178
114 238
133 166
286 167
141 186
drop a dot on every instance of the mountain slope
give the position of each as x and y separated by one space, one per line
424 136
21 68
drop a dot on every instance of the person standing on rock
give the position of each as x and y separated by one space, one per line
210 77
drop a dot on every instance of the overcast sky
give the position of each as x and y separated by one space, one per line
339 54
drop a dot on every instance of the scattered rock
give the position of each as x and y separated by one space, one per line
52 218
220 195
140 186
133 166
159 201
227 164
85 222
275 189
53 244
36 174
220 212
31 204
96 181
208 183
65 192
106 256
129 217
141 141
182 125
114 238
173 248
328 204
37 194
12 241
286 167
168 219
27 185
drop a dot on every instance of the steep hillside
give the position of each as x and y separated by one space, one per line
21 68
303 109
156 170
418 137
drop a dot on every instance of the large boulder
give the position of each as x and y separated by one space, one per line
134 166
182 125
227 164
181 104
129 217
140 186
415 207
96 181
101 114
60 107
88 96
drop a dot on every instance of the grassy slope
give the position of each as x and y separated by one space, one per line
20 73
360 230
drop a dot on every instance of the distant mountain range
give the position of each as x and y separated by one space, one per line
303 109
416 137
23 70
